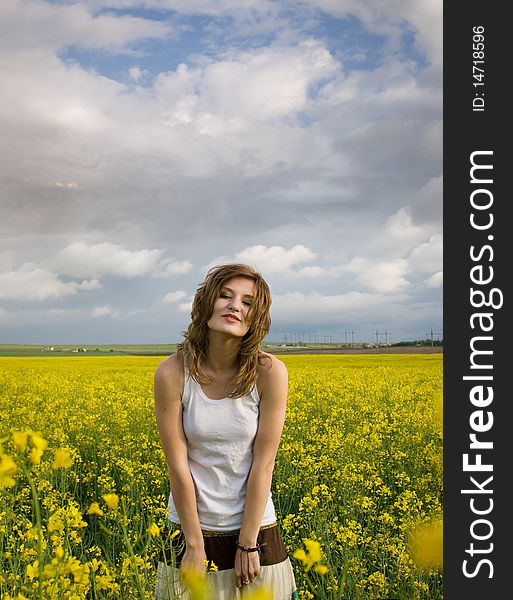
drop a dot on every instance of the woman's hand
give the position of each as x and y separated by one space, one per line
193 570
194 559
247 567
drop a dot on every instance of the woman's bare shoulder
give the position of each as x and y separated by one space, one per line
270 368
169 372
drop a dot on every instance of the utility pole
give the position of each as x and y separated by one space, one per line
382 333
431 336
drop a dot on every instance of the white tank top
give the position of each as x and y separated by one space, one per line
220 436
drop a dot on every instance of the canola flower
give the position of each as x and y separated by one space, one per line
111 500
62 459
311 557
39 445
196 585
7 470
20 439
426 544
83 480
94 509
259 593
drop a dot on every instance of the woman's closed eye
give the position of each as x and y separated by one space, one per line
227 295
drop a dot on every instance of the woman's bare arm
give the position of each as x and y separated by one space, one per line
273 384
168 384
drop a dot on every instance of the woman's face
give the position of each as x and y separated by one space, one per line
231 308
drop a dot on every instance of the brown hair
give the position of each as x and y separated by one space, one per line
194 347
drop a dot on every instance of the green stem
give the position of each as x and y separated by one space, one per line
37 513
131 552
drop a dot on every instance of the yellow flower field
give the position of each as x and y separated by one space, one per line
357 486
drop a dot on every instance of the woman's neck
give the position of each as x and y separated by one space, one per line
223 352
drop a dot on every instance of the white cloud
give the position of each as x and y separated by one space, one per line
136 74
272 259
314 308
435 281
237 112
70 185
424 18
38 24
386 277
426 202
270 83
235 92
198 7
174 296
35 283
428 256
400 236
173 267
401 228
359 314
81 259
104 311
91 284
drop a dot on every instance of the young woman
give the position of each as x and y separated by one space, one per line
220 406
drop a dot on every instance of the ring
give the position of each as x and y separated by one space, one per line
245 582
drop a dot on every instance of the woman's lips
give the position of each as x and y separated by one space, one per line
231 318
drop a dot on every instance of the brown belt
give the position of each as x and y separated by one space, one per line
220 547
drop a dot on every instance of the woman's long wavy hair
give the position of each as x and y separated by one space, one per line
193 349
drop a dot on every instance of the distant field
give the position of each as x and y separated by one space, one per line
167 349
90 349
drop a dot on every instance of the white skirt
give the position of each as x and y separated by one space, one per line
279 578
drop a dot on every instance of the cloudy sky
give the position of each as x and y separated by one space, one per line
144 141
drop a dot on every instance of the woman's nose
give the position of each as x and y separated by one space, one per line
234 304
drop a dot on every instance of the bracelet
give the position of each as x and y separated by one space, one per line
244 549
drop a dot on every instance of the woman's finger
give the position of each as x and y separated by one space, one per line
247 567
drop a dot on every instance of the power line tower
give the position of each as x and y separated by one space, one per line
383 334
431 335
